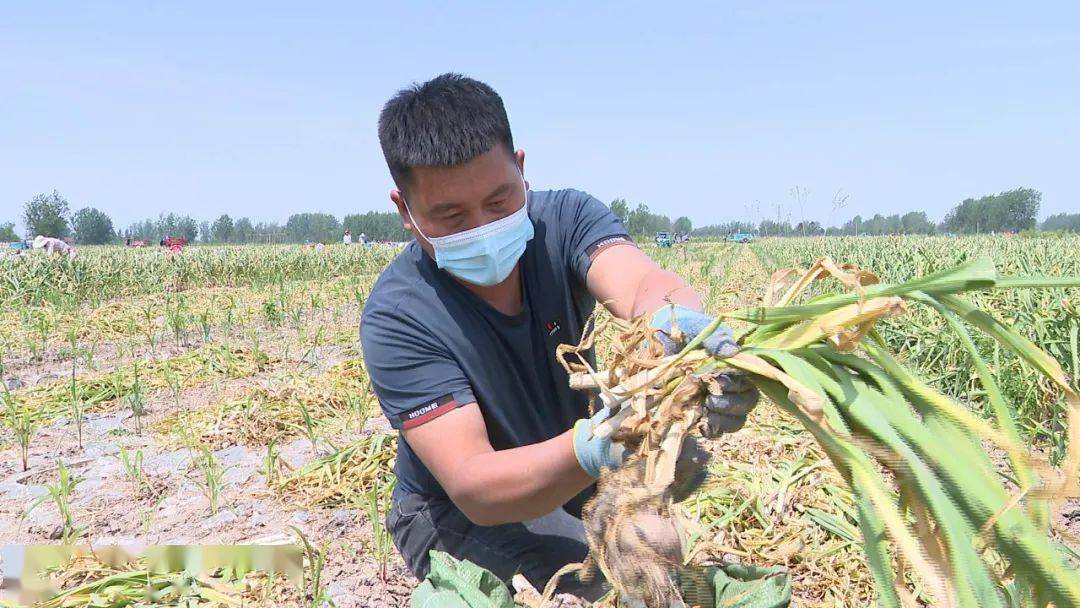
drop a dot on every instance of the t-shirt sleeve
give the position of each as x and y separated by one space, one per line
589 228
414 377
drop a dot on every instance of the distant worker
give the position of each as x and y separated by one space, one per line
347 239
363 239
496 453
53 245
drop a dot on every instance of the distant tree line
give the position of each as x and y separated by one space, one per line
1069 222
914 222
173 225
640 220
50 215
1012 211
7 232
377 225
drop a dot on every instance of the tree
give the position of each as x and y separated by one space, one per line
1010 211
811 228
876 225
682 225
1061 221
916 222
376 226
243 231
7 232
92 227
621 210
642 221
173 225
964 217
893 224
222 229
47 214
269 232
774 228
853 226
316 227
1021 208
143 230
204 232
724 229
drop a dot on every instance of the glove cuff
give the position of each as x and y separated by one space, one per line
664 317
593 453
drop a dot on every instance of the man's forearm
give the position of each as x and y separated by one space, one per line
520 484
659 287
527 482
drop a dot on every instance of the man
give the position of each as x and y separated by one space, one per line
459 335
347 239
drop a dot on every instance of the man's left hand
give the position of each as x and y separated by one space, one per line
726 411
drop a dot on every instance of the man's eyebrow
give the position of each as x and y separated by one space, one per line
500 191
442 208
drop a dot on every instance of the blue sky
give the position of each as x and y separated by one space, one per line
715 111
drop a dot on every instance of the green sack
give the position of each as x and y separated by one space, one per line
453 583
736 586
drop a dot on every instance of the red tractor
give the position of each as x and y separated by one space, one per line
174 243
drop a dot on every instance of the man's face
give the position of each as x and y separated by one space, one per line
446 200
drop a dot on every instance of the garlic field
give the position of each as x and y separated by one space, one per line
218 396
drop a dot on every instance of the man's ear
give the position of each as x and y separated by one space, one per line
519 157
399 201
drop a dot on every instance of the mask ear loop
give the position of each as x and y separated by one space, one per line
413 220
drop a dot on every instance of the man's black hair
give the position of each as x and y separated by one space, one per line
445 121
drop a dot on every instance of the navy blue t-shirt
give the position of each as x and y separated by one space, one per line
431 345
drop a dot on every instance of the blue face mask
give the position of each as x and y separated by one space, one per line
484 255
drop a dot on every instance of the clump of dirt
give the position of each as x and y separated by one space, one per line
151 490
634 536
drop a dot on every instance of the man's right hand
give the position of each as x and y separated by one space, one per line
596 453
